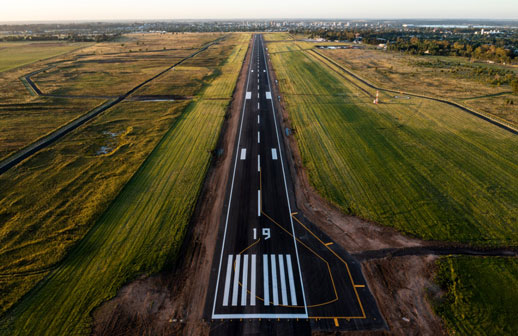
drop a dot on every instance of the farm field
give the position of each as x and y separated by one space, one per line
43 115
481 295
85 73
124 238
15 54
438 76
425 168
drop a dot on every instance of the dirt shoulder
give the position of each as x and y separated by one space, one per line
173 302
405 280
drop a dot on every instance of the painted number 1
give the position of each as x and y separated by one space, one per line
265 232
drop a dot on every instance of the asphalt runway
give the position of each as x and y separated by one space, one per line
274 272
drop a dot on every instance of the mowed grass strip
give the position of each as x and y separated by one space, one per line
140 232
481 295
422 167
15 54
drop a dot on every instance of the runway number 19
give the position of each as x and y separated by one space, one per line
265 233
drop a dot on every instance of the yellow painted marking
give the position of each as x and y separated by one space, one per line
330 243
336 322
359 286
343 261
327 264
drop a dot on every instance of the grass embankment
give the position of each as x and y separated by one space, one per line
471 84
15 54
142 228
425 168
482 295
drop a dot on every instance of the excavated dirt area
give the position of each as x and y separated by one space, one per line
172 302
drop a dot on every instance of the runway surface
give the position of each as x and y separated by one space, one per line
274 272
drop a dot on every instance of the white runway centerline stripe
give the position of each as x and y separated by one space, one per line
235 289
274 154
258 203
268 95
258 96
258 106
258 120
249 95
252 281
227 280
245 280
243 153
266 281
291 280
275 294
258 137
282 275
258 163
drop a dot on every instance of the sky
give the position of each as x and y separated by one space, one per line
47 10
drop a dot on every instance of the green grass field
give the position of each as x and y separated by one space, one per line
437 76
144 225
425 168
15 54
70 184
481 295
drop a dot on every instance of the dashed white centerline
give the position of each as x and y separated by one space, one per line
258 203
243 153
258 137
274 154
258 163
258 120
258 106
